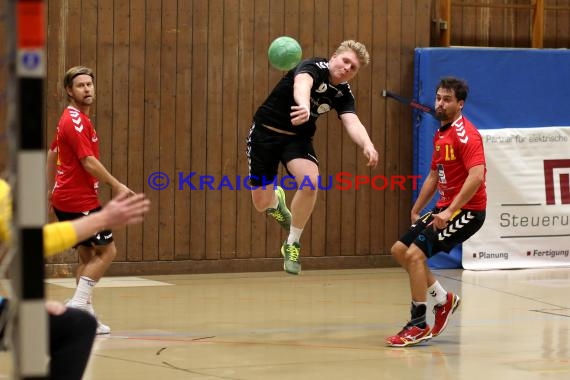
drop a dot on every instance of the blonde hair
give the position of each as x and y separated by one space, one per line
75 71
358 48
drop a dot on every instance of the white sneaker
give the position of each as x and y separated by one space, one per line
88 307
102 328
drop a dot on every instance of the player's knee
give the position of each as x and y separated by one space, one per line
262 199
414 257
109 252
309 187
398 249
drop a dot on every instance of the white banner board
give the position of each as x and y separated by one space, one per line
528 208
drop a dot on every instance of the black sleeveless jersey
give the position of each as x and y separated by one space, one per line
276 109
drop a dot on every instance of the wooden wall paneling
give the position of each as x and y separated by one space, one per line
136 176
556 24
348 206
230 144
88 33
120 119
310 246
214 108
455 24
167 126
563 25
307 27
421 40
151 163
55 50
73 38
180 72
170 90
497 25
366 100
394 69
378 67
245 87
298 15
102 113
56 100
260 245
316 226
292 19
483 21
314 236
410 11
88 57
70 16
522 28
508 31
183 135
509 28
199 125
538 27
469 29
550 22
274 233
324 232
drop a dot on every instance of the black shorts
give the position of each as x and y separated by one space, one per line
266 148
459 228
104 237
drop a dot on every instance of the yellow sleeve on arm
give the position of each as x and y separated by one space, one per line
5 212
58 237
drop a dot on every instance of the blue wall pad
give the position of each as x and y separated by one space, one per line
509 88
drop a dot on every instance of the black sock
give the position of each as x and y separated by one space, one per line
418 312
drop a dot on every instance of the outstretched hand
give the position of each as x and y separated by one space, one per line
122 189
372 155
440 220
299 115
124 209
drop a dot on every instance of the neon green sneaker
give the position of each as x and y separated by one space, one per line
281 214
290 253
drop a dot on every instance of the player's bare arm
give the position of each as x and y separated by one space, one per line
51 163
359 135
302 94
94 167
470 186
120 211
427 192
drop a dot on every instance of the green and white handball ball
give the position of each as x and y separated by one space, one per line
284 53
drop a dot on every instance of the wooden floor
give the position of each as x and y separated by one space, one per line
326 325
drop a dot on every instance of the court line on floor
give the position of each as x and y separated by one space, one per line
165 366
204 371
503 292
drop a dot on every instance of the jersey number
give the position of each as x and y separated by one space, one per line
449 153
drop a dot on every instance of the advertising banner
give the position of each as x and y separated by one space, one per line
528 209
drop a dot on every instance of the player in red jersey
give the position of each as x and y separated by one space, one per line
458 175
73 175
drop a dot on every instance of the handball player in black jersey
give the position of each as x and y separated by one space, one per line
282 132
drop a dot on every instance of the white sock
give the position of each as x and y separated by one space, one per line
82 294
294 235
438 293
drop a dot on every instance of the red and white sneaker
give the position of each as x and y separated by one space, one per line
409 336
443 313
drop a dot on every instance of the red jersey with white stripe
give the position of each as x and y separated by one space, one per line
75 189
457 148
